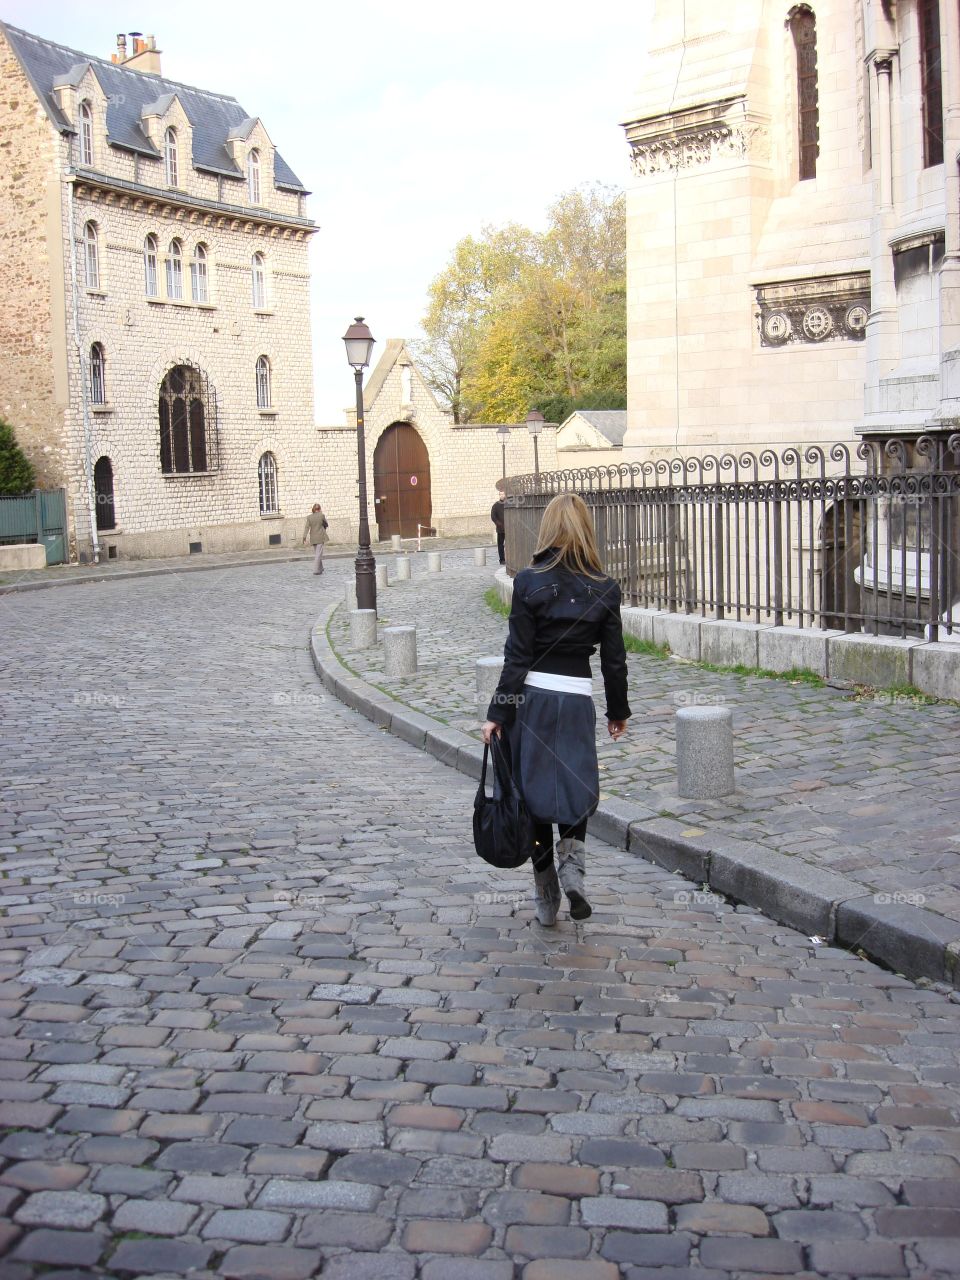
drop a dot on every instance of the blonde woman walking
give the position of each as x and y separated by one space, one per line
564 607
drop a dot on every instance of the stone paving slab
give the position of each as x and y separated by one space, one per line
341 1045
867 789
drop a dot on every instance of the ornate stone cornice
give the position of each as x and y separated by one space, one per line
698 137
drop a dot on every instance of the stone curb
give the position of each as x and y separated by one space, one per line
909 939
124 575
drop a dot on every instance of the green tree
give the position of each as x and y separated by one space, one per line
16 473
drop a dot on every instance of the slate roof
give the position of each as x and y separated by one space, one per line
611 423
213 116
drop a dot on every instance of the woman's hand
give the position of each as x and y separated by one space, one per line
616 728
491 729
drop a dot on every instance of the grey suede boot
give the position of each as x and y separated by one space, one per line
546 894
571 863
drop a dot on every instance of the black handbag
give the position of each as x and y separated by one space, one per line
502 826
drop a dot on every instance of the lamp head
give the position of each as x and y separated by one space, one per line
504 433
359 342
534 422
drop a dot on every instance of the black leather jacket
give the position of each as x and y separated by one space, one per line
557 620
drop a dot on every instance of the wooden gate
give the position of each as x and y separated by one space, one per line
401 479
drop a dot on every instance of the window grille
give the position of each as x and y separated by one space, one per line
91 255
187 411
259 281
98 378
264 384
803 26
267 475
175 271
198 275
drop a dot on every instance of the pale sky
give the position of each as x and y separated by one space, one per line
412 124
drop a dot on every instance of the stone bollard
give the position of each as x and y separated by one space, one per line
350 593
396 542
488 677
433 562
403 569
383 578
399 651
363 628
704 752
480 557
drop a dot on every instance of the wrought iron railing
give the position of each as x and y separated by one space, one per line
862 537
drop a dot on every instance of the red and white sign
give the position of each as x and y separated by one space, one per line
413 479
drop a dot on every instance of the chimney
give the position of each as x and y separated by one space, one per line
143 54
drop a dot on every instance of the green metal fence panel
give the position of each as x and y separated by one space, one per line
40 516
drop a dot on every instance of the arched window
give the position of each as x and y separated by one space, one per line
264 384
98 375
91 256
259 282
103 488
175 270
803 27
150 282
253 177
86 134
186 413
198 275
267 476
170 158
928 17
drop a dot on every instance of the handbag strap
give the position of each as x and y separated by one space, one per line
482 788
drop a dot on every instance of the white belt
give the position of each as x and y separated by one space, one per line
560 684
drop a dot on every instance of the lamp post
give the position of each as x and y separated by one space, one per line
503 435
359 343
534 422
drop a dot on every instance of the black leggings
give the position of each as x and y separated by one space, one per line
543 833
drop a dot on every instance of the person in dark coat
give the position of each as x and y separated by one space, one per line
496 515
564 606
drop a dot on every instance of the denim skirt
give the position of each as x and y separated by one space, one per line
553 749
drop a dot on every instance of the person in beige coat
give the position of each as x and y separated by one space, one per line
316 529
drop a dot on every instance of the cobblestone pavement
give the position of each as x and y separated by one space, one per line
867 787
264 1014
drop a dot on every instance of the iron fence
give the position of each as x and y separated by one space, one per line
863 537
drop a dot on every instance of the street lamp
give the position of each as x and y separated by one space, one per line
503 435
359 343
534 421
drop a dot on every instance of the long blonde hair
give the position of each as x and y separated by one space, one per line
568 528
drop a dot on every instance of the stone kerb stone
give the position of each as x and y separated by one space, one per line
488 677
730 644
878 661
795 648
936 670
363 628
399 652
704 752
383 576
25 555
404 571
680 631
639 622
480 557
434 562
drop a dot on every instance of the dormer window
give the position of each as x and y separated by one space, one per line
170 158
86 135
253 177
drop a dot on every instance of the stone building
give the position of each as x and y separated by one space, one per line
155 332
793 224
591 438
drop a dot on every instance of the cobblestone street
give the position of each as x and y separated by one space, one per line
264 1014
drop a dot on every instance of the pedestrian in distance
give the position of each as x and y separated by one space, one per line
496 515
315 528
564 606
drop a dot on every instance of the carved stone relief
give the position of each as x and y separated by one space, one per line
828 308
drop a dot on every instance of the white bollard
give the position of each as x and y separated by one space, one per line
488 677
704 752
396 542
399 651
480 557
350 593
383 578
433 562
363 628
403 569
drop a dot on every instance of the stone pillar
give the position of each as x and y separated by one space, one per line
363 628
403 569
399 651
488 677
480 557
704 752
383 578
433 561
396 543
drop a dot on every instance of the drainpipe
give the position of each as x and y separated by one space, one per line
84 390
